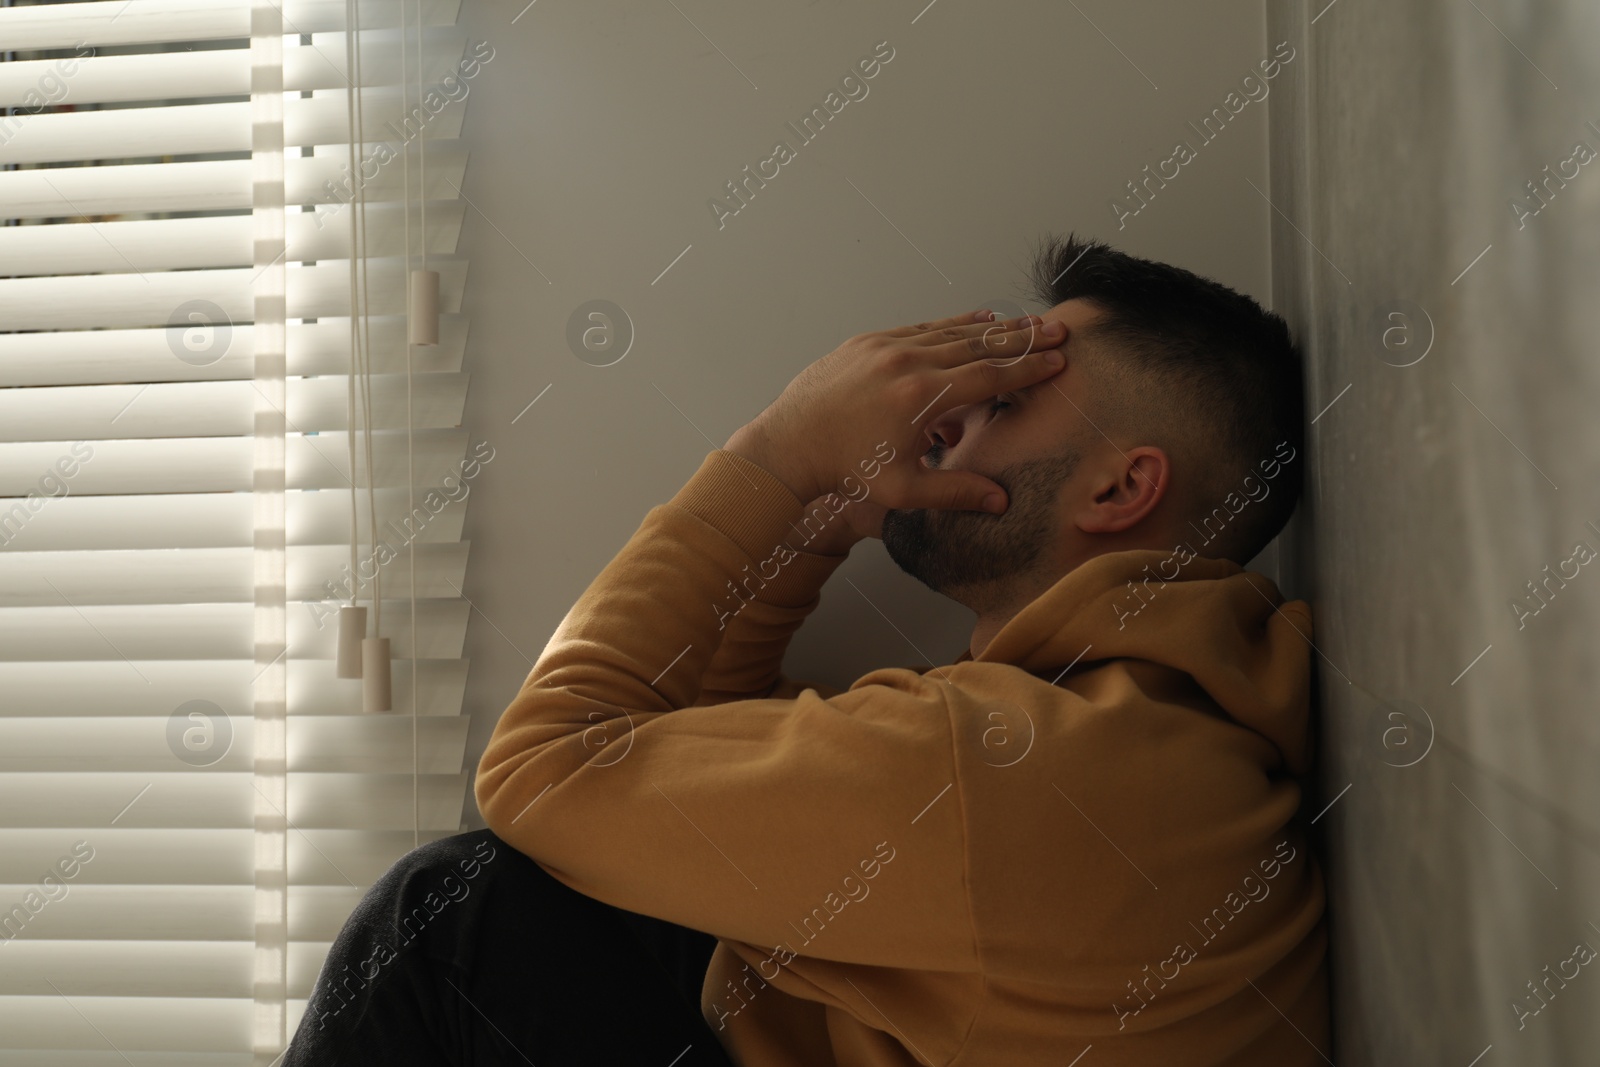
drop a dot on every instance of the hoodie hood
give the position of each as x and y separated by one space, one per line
1226 627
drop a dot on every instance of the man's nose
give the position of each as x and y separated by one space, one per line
947 429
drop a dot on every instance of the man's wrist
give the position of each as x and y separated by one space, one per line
751 443
835 539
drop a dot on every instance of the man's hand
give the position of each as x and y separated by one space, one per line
885 387
858 520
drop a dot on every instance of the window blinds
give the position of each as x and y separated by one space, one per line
191 802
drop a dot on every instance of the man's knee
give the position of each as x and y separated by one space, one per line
446 870
424 891
412 915
460 855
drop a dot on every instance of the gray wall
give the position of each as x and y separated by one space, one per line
1464 853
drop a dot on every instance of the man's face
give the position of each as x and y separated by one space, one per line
1030 443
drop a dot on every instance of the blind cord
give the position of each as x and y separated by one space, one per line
350 417
416 821
366 353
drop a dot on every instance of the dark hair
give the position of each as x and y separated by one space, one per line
1198 369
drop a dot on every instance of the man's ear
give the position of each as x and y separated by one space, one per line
1137 481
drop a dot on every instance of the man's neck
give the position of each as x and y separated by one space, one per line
992 620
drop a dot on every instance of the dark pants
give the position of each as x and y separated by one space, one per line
468 952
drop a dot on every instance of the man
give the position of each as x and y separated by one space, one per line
1083 834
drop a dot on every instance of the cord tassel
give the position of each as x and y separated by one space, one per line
424 328
352 631
375 674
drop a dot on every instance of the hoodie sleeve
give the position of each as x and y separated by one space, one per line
829 822
761 619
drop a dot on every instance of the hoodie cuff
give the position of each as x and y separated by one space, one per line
751 507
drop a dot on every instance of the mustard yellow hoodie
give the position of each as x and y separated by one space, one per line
990 863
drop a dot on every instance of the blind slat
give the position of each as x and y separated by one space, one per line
118 22
157 912
214 72
359 743
101 687
217 575
215 241
85 301
216 464
222 520
206 631
205 1028
220 409
206 129
121 968
216 185
125 856
184 803
146 354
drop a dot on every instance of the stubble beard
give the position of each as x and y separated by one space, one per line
977 558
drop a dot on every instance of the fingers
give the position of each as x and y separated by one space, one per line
976 335
954 321
956 345
983 379
957 490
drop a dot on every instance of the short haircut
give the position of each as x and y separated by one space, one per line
1199 370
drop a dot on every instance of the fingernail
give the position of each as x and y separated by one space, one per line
994 502
1054 358
1052 328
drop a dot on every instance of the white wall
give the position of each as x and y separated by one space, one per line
1460 742
599 132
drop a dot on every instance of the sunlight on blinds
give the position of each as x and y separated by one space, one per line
191 801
